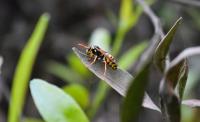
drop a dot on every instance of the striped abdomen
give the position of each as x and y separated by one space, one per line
110 61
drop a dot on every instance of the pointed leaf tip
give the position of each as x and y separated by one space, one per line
118 79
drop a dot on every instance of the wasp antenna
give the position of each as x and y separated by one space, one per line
82 45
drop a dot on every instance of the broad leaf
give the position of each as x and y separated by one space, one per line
54 104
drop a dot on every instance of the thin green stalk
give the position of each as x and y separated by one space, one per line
118 41
100 95
24 69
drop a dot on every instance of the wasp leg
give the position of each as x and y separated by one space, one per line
105 67
94 60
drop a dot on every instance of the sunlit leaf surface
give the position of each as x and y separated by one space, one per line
54 104
24 69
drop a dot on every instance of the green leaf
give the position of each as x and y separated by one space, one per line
175 72
129 15
129 57
102 38
54 104
134 97
77 66
182 79
63 72
178 69
100 95
126 11
79 93
178 66
24 69
163 47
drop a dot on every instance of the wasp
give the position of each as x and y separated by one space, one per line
96 53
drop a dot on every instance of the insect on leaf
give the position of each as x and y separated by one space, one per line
118 79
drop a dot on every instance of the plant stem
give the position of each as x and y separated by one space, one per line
100 95
118 41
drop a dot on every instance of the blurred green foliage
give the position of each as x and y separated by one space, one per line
24 69
130 56
77 66
79 93
63 72
54 104
129 15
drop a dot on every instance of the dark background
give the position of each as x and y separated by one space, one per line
74 20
